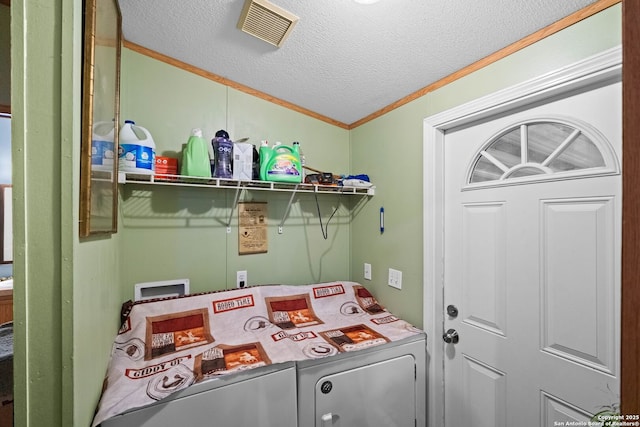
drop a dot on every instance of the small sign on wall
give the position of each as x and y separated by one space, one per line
252 228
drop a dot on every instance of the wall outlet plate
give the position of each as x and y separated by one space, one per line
367 271
241 279
395 278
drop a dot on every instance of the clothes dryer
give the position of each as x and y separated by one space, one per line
380 386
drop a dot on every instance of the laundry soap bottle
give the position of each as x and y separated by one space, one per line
223 155
280 163
195 157
264 155
137 151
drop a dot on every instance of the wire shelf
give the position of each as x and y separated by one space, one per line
191 181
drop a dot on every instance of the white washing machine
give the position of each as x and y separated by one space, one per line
383 386
262 397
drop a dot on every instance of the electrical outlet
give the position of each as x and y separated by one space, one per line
241 279
395 278
367 271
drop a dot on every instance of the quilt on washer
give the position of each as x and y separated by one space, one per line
169 344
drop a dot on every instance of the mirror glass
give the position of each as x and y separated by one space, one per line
100 118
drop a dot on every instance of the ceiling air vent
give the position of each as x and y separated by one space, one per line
266 21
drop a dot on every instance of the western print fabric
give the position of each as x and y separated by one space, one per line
290 312
176 332
169 344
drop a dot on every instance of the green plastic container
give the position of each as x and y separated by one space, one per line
195 156
280 163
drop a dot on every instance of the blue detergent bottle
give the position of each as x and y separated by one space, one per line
223 155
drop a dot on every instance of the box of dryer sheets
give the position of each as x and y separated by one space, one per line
166 166
242 161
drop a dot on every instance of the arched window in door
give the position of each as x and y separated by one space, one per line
542 149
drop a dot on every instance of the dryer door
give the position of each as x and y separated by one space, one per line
380 394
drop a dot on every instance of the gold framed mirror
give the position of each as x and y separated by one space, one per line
100 118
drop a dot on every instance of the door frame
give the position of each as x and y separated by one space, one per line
598 69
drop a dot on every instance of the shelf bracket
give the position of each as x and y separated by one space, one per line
235 205
286 211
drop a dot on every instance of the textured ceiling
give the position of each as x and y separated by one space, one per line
343 60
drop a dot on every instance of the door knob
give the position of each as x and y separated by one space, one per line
451 336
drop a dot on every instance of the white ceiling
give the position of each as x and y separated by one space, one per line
343 60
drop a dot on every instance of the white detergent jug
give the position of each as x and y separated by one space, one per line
102 154
137 151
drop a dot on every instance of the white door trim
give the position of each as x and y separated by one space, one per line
598 69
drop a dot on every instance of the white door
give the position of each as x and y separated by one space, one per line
532 222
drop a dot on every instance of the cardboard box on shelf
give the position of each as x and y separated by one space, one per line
242 161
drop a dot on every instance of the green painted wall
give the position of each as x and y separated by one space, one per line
96 308
68 292
44 147
65 307
171 232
